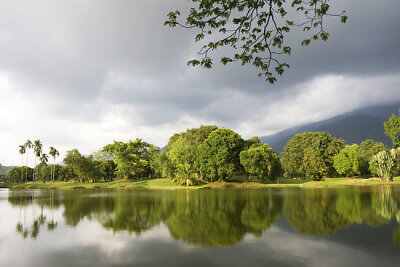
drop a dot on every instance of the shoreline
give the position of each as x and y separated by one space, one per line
167 184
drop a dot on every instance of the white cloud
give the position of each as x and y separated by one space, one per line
81 75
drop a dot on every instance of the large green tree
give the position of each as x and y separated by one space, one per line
367 150
384 164
347 161
183 151
255 31
132 159
14 175
219 155
392 129
259 161
105 165
84 167
310 154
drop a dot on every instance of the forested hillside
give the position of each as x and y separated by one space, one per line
353 127
4 169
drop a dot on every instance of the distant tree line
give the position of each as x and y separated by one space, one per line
209 153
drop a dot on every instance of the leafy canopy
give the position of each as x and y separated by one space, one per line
384 164
255 29
311 154
366 151
219 154
184 151
259 160
347 162
392 129
132 159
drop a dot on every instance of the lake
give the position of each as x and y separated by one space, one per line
348 226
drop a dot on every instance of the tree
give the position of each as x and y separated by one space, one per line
313 164
83 167
347 162
366 151
51 172
163 165
132 158
392 129
183 151
311 154
258 160
219 155
37 147
66 173
105 165
256 28
252 141
15 174
54 153
43 161
384 164
22 151
28 146
276 169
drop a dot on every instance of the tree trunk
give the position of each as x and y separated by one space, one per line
27 165
22 169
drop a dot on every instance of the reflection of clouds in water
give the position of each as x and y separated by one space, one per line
88 242
312 251
92 234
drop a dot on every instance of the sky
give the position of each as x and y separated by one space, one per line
81 74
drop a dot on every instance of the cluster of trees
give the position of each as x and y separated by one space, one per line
201 154
372 157
311 154
316 155
25 173
119 160
209 153
367 158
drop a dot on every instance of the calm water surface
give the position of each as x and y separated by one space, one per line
352 226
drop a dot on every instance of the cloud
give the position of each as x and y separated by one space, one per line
83 74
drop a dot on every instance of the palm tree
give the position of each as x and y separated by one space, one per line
28 146
44 159
22 151
37 147
54 153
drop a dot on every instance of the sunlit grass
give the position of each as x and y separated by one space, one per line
167 184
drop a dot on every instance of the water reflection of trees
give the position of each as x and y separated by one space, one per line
324 211
211 218
206 218
220 218
31 206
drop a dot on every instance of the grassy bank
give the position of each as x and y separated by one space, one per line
167 184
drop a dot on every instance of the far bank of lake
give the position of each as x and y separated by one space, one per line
167 184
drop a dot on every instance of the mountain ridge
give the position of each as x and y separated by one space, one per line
353 127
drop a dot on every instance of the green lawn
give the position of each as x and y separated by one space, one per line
167 184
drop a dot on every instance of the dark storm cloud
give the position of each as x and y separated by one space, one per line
69 47
110 68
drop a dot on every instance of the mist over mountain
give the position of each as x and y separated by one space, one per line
353 127
5 169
